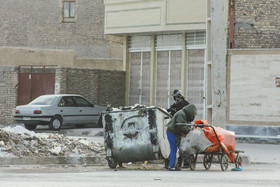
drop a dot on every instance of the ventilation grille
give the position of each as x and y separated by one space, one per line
196 39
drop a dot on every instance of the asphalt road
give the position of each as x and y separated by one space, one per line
138 175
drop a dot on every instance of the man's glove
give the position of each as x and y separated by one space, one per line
171 111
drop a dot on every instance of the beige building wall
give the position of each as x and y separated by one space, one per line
254 87
140 16
28 56
44 57
106 64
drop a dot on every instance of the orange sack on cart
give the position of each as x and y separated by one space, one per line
227 139
209 132
229 142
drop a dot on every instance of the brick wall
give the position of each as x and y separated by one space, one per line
111 88
8 92
101 87
39 24
257 24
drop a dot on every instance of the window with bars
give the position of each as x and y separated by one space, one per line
69 11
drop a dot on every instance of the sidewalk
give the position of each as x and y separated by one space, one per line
260 153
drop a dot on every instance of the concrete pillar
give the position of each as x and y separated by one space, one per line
126 66
218 56
153 72
184 66
209 62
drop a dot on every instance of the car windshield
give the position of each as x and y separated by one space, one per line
44 100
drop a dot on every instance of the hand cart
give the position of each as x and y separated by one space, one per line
220 153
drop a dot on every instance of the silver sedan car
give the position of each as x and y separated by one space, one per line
57 110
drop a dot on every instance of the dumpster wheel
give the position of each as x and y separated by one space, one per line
112 164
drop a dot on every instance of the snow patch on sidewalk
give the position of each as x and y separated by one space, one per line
18 141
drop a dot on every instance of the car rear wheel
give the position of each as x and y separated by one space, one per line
30 127
56 123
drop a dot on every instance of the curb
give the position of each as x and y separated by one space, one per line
257 139
52 160
77 160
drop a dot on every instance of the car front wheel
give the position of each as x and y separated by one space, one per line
56 123
30 127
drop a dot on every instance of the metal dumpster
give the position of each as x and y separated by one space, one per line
136 134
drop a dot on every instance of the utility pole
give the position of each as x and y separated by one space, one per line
216 62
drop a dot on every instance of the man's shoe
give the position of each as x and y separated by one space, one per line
173 169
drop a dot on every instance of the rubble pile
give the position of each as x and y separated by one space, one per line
21 142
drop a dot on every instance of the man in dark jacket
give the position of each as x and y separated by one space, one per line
174 132
179 102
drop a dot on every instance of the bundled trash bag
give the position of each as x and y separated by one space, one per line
195 142
205 140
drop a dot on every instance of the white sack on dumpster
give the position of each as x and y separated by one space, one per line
195 142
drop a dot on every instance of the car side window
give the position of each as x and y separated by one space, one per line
82 102
67 102
61 103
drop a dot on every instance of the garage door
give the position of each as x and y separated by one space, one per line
35 81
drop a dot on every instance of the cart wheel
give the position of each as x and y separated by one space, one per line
238 162
207 160
224 162
192 161
112 164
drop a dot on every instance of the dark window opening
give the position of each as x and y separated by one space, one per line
277 81
69 11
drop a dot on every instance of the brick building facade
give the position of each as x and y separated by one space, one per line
40 24
253 63
256 24
46 33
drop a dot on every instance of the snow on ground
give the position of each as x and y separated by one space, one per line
18 141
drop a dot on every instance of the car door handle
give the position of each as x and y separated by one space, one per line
61 110
81 110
